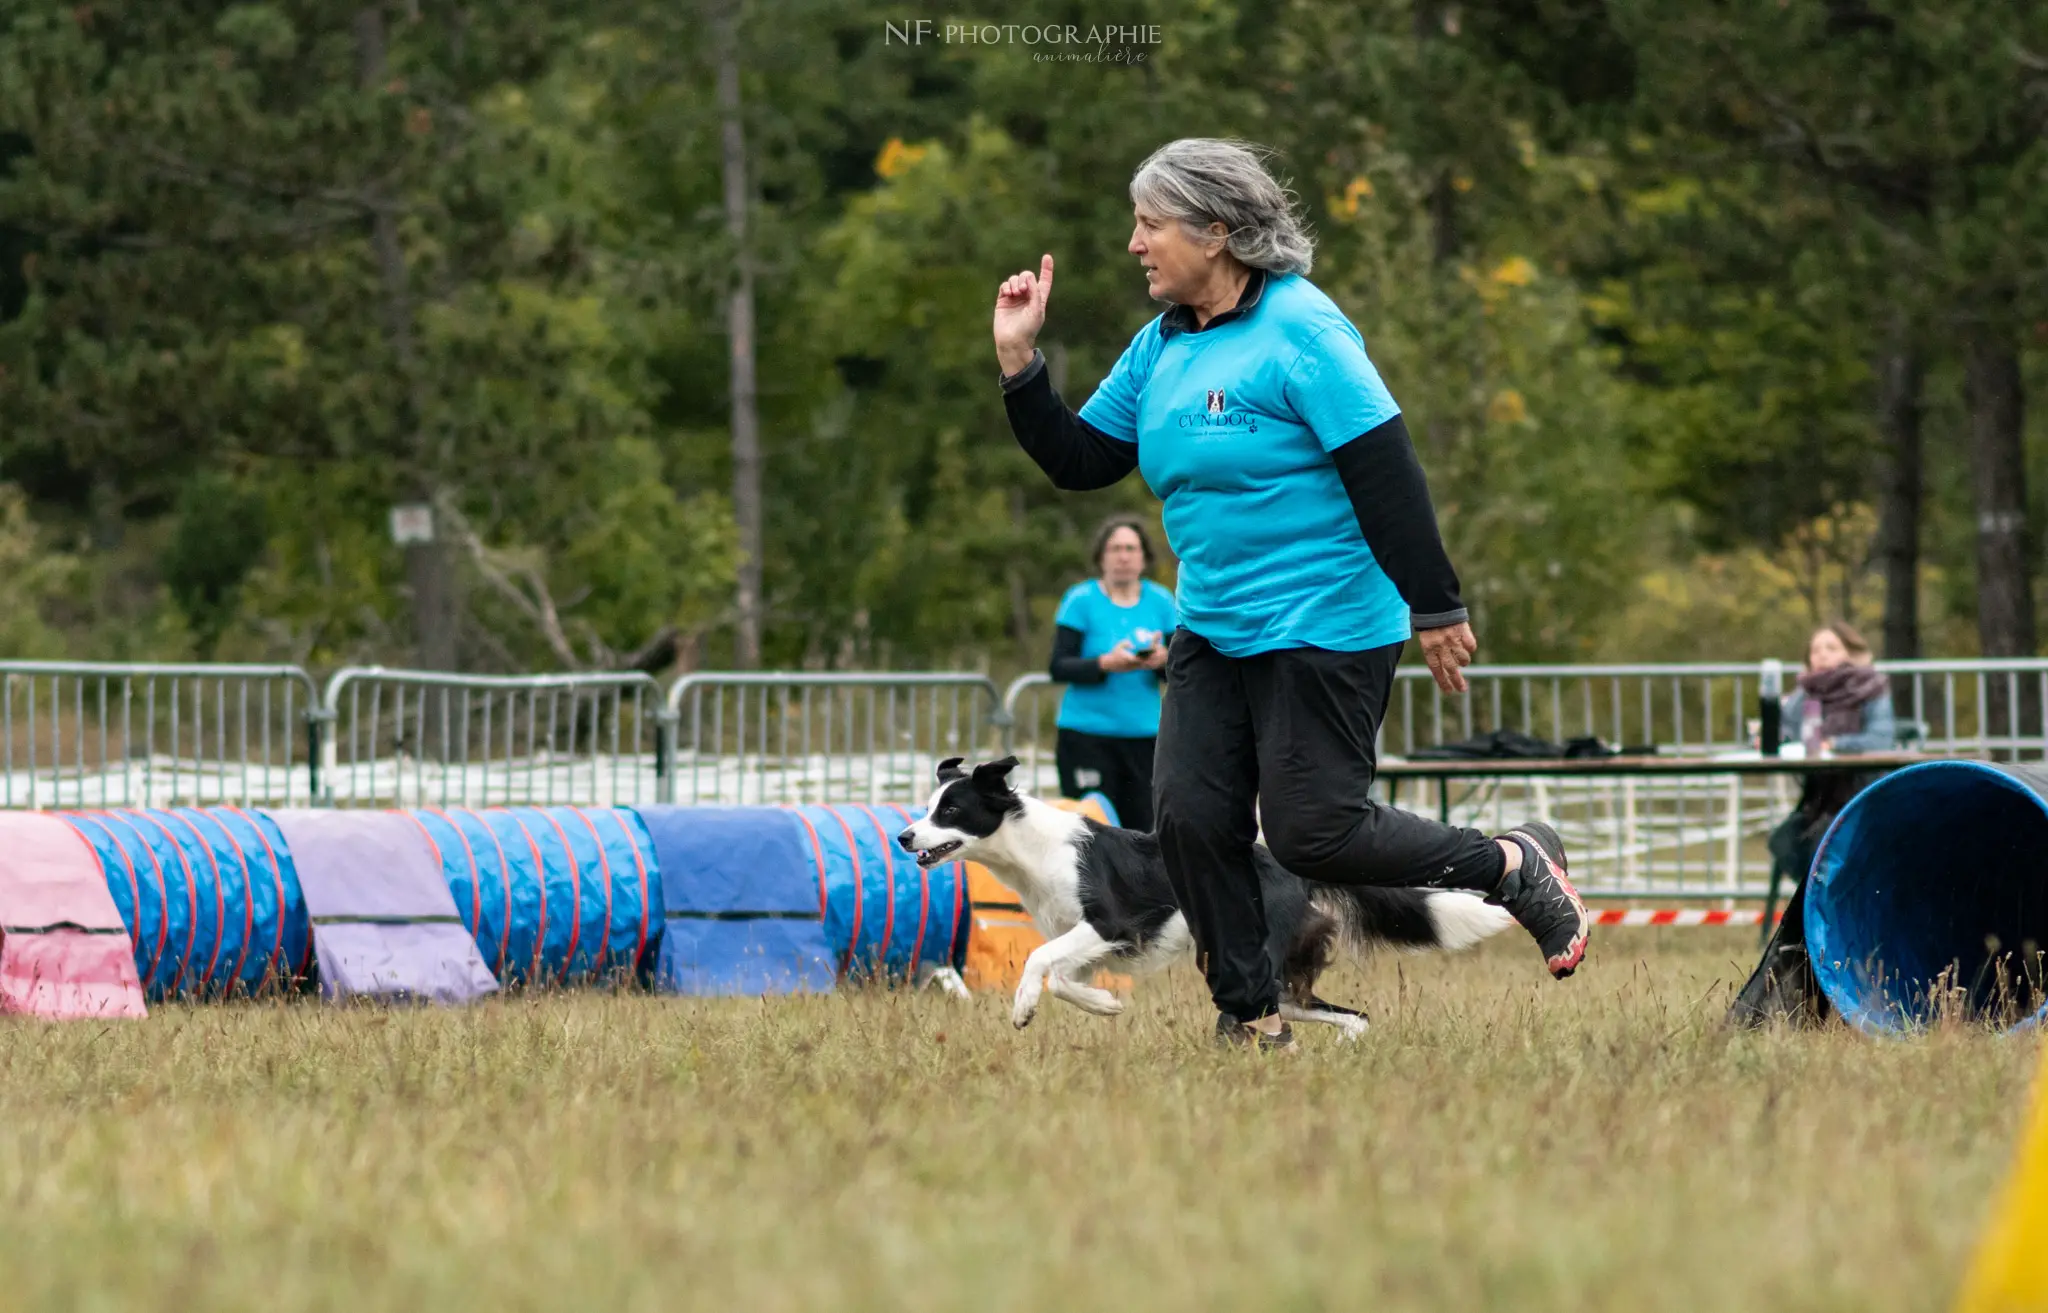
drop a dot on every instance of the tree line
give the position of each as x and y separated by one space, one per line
1709 321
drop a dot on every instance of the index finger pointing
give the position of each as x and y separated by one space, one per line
1045 278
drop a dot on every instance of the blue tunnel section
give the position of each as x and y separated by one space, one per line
552 895
1933 878
209 895
884 914
742 893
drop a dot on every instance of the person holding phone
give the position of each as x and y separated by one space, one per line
1109 645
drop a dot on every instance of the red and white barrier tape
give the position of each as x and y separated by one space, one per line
1680 916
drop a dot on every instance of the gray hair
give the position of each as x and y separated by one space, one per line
1205 180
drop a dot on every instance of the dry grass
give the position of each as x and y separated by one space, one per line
1498 1142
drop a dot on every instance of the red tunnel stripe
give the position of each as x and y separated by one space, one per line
220 904
540 877
277 881
924 899
476 876
859 889
817 854
248 896
163 894
888 886
504 874
604 864
76 820
640 863
191 900
575 895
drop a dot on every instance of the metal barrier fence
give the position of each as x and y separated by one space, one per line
1631 837
1644 837
99 734
1979 708
416 738
775 737
1974 707
82 734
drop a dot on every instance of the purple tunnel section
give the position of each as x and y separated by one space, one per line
384 921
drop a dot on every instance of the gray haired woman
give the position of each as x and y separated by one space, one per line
1309 553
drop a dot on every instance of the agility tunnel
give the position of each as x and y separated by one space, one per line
551 895
449 905
1930 893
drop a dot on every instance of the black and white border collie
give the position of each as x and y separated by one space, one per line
1100 897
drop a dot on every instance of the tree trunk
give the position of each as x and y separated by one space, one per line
2005 599
1901 378
429 571
739 327
1020 595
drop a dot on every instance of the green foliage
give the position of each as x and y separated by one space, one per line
218 535
1625 267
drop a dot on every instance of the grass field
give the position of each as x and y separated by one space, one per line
1497 1142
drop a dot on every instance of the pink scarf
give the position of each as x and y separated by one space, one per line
1843 693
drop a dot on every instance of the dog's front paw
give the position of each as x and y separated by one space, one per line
1025 1008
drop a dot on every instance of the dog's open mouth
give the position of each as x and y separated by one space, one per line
933 856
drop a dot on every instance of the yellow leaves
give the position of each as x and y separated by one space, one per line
897 157
1346 203
1515 271
1497 283
1461 182
1507 407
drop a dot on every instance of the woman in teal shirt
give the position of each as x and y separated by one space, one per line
1308 556
1109 645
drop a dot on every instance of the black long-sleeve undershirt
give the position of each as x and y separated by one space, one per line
1390 497
1379 469
1068 665
1075 455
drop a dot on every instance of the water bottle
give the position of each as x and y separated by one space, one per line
1769 709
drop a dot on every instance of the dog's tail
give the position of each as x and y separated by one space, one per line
1414 920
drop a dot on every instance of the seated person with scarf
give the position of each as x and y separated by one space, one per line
1855 712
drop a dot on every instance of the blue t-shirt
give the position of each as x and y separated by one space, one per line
1234 428
1126 704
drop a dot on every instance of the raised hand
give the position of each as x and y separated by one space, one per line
1020 314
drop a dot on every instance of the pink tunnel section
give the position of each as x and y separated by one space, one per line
64 951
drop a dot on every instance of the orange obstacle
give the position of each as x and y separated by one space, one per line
1000 934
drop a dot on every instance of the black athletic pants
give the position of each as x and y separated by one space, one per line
1121 769
1293 732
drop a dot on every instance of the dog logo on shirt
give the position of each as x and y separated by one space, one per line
1215 401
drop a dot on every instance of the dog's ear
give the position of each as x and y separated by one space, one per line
949 770
993 776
